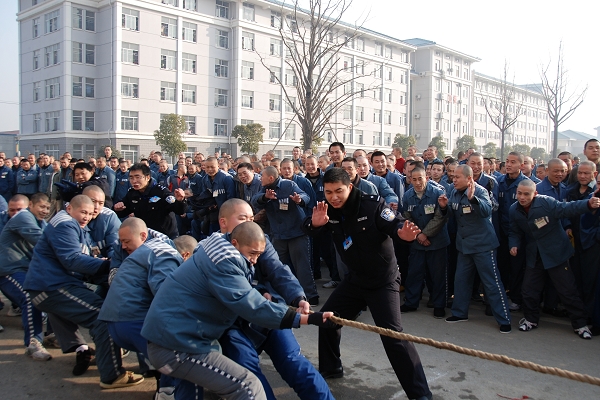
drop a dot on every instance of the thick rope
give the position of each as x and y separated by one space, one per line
470 352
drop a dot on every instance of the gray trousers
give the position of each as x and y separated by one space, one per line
212 371
296 253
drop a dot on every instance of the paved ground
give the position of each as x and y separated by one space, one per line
368 373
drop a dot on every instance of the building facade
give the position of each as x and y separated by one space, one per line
99 72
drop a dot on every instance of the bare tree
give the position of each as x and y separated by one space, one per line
503 108
312 41
561 102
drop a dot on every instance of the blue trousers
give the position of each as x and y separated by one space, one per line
127 335
284 350
420 262
296 253
485 264
12 287
77 305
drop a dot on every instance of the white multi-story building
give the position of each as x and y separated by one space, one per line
98 72
441 93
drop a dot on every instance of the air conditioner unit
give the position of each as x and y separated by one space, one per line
440 96
418 136
421 73
459 101
459 120
417 116
418 97
459 84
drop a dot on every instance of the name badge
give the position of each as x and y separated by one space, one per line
429 209
466 209
541 222
347 243
216 193
283 206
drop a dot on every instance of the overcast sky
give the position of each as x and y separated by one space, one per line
525 33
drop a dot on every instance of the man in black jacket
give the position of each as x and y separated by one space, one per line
151 202
362 227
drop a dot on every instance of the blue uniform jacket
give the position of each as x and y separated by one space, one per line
162 177
559 193
542 229
137 281
395 182
246 192
104 231
475 232
121 186
204 296
44 178
3 206
317 186
383 188
285 216
4 218
27 181
427 215
118 254
17 241
110 176
306 185
61 256
196 183
507 195
7 182
365 186
221 186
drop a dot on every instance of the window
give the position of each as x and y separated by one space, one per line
90 50
247 121
52 21
377 116
290 78
188 32
84 19
173 3
222 9
129 87
89 87
347 111
83 120
188 62
387 117
388 73
359 113
190 5
376 139
403 120
220 98
168 59
378 49
129 121
292 24
289 103
377 94
130 19
275 75
168 27
36 27
378 71
77 52
36 91
247 70
360 67
191 125
360 44
222 39
290 132
275 48
77 86
52 121
129 151
360 89
51 55
247 99
275 19
403 98
248 12
274 102
36 59
52 150
221 68
388 95
247 41
387 139
274 130
347 63
37 122
188 93
220 127
52 88
167 91
130 53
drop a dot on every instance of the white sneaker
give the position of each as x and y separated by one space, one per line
165 393
584 333
14 312
36 351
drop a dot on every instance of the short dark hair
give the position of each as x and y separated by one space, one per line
140 167
158 153
437 162
417 164
245 165
36 198
377 154
589 141
566 153
83 165
517 154
352 160
338 144
335 175
113 157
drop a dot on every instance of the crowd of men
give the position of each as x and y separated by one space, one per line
81 238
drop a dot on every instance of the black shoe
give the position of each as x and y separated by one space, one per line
505 328
82 361
314 301
595 330
452 319
404 308
488 310
333 374
439 313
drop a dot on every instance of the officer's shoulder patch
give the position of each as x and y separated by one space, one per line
387 214
373 197
170 199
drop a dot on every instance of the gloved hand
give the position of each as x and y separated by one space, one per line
316 318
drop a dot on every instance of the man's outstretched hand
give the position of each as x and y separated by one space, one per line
409 231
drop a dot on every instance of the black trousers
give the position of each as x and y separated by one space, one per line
511 268
384 302
564 281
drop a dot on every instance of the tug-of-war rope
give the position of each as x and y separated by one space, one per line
470 352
